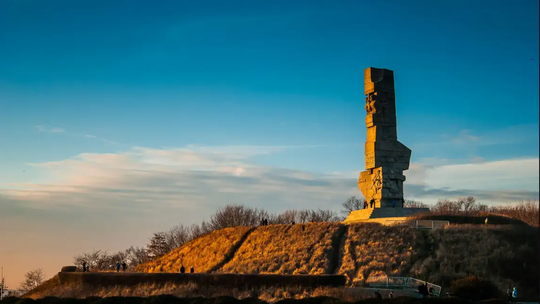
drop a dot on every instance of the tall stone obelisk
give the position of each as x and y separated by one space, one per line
386 157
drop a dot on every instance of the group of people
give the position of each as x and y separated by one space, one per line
512 295
372 203
264 222
123 265
86 267
183 269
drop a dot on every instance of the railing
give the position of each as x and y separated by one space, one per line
403 282
420 224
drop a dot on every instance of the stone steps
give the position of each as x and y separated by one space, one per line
383 213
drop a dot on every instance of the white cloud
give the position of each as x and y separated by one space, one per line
112 201
199 174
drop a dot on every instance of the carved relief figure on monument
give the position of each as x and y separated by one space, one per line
370 104
377 181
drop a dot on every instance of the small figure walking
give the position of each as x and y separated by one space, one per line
84 266
182 269
391 295
192 270
365 204
124 266
372 203
118 266
514 295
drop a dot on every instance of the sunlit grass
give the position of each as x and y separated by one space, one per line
286 249
202 253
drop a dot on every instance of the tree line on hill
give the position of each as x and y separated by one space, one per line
165 241
238 215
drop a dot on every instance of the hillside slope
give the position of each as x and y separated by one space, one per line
504 254
372 250
288 249
204 253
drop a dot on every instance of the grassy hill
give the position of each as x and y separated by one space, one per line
204 253
288 249
504 254
372 250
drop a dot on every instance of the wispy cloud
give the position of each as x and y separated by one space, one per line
199 175
41 128
115 200
64 132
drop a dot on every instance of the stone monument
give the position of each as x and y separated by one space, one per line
385 157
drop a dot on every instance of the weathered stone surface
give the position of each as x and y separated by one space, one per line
386 157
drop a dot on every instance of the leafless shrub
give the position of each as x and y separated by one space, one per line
351 204
32 279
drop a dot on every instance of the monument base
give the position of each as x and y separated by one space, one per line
383 215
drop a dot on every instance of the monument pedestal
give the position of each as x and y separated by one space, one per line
383 215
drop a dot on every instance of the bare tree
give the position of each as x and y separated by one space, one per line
414 204
527 212
178 236
351 204
286 217
32 279
237 215
319 215
200 230
135 256
97 259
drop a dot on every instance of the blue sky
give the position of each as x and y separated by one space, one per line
252 92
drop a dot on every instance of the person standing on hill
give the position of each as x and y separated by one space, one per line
372 203
509 295
182 269
423 290
365 204
118 266
124 266
84 267
192 270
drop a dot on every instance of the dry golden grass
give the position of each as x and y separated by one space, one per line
372 250
286 249
505 254
268 294
203 253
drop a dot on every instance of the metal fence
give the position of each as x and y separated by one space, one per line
420 224
403 282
